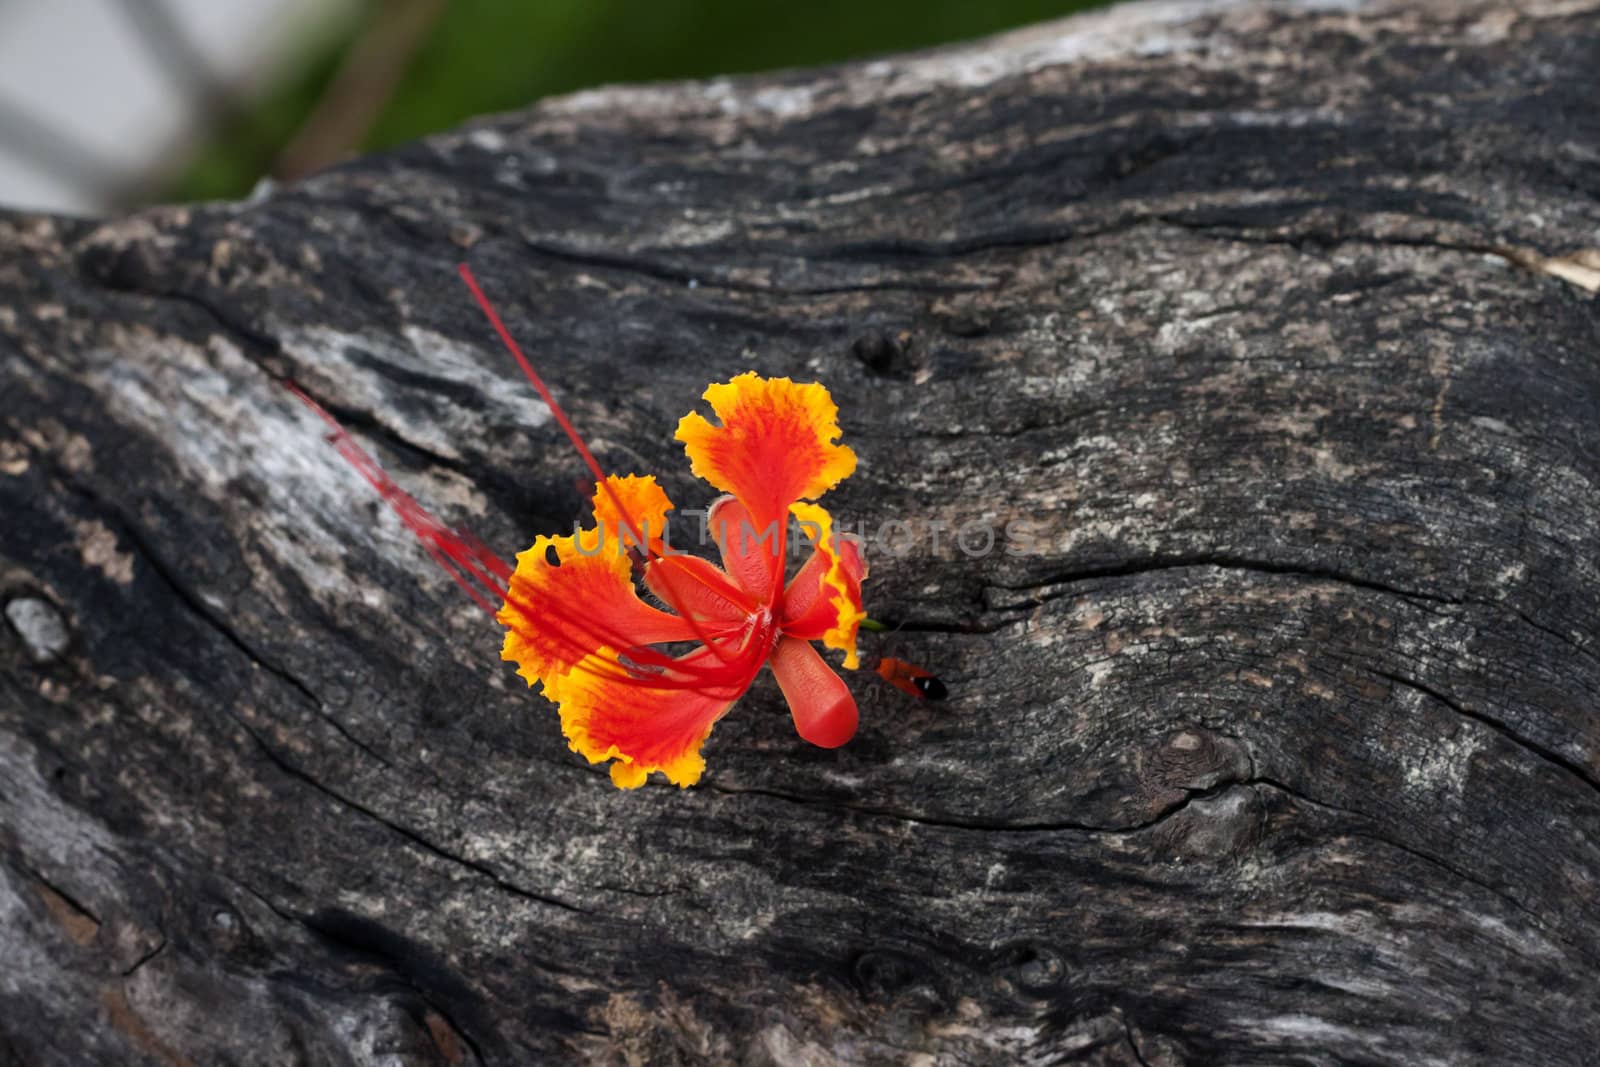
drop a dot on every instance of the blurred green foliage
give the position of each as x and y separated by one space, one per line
494 55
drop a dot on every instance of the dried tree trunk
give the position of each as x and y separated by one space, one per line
1263 335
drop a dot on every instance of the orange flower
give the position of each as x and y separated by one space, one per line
576 624
640 685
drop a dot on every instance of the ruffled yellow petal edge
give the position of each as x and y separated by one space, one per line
589 693
776 443
847 602
682 772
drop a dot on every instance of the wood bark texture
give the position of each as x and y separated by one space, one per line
1262 337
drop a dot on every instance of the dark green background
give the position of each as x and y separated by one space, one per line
493 55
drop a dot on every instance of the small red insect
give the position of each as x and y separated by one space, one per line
911 679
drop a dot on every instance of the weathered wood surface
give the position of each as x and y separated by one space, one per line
1275 741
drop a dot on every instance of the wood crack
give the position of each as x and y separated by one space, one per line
146 958
1223 562
1370 829
415 838
993 826
344 945
1542 752
191 600
709 279
1133 1042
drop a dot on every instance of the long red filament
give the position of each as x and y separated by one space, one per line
580 635
466 560
538 383
565 423
461 557
479 571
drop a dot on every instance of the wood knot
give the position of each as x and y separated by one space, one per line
1032 968
888 355
1214 828
887 973
1196 758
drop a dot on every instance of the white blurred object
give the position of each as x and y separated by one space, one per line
91 107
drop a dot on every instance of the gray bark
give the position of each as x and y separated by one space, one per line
1268 330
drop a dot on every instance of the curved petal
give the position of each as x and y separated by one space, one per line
775 444
556 615
691 585
645 728
749 554
824 599
823 709
631 511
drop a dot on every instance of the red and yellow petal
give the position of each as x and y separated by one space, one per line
824 711
557 615
775 445
824 598
631 511
749 554
605 715
694 586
